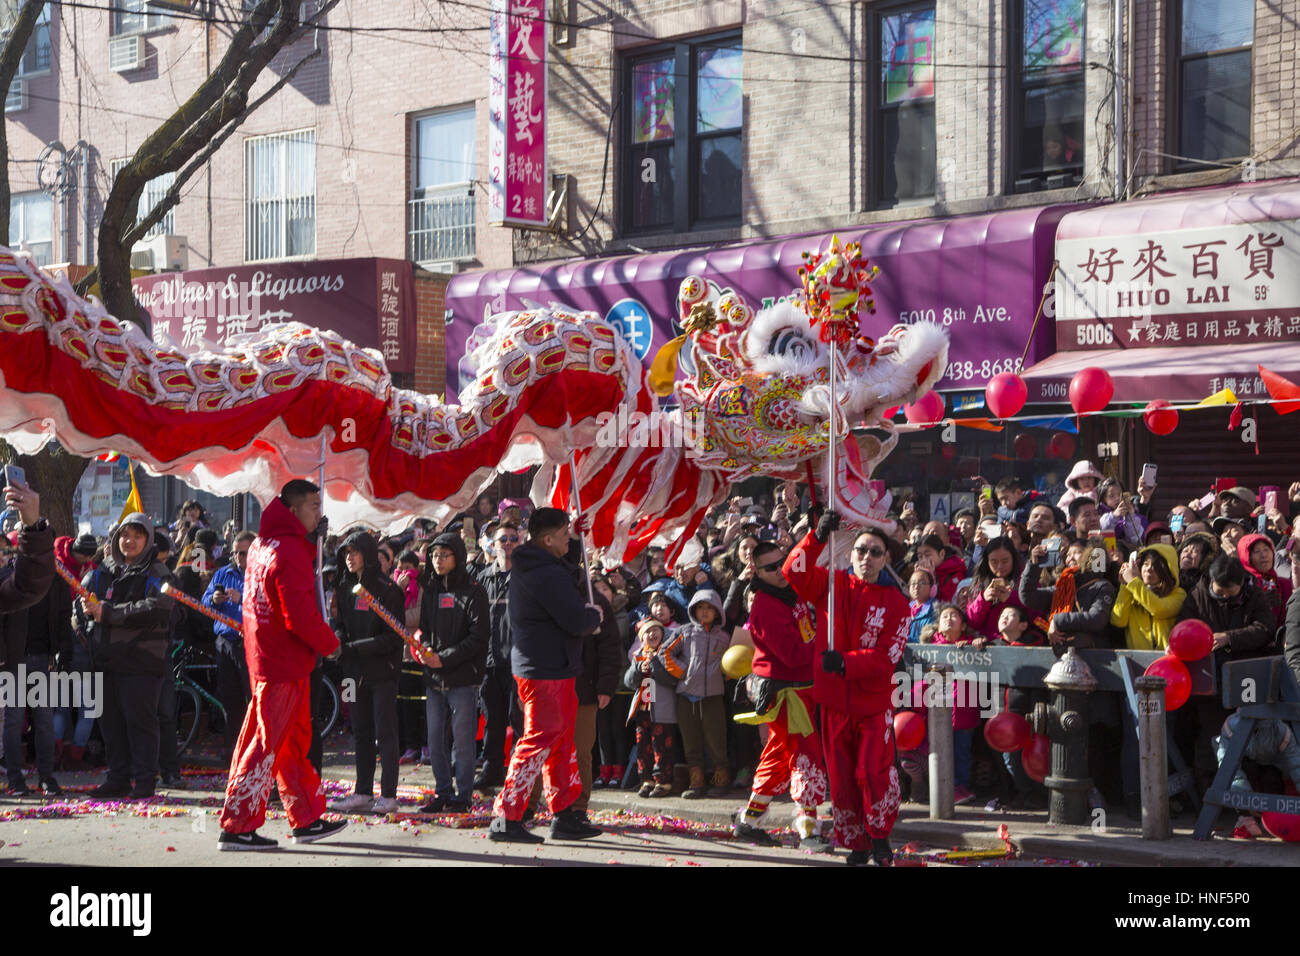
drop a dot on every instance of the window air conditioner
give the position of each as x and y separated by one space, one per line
16 99
164 253
126 53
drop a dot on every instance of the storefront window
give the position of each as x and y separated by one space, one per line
684 116
1214 79
903 155
1049 95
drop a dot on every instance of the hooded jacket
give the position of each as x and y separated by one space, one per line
22 584
549 616
230 579
1246 619
497 585
699 652
1147 617
1019 512
284 631
1088 621
1187 578
454 620
132 635
1081 469
372 650
602 659
1273 588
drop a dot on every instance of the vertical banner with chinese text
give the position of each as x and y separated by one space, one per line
517 100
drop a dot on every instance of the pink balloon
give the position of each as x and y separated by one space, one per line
1006 394
1178 682
1007 732
1091 390
927 410
1191 640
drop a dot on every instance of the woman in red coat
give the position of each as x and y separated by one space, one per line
854 685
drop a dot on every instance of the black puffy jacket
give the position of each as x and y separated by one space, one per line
549 616
371 649
133 634
454 620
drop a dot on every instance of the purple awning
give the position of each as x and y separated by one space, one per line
980 276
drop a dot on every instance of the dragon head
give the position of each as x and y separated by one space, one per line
758 393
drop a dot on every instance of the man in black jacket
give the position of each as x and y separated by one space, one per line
454 621
497 694
371 655
548 618
132 619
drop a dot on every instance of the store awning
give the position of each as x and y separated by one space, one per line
1177 374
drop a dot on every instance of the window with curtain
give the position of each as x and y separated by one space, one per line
1215 38
280 196
441 208
903 153
1048 132
31 224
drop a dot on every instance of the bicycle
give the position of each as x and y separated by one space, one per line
191 695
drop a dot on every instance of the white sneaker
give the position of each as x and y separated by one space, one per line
357 803
385 805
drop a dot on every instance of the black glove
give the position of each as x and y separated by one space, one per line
827 523
833 662
762 691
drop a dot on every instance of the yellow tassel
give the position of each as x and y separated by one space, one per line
663 370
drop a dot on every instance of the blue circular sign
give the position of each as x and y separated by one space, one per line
633 321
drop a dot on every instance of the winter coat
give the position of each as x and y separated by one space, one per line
784 637
549 616
1081 469
1291 644
1088 621
699 652
663 685
602 659
983 616
22 584
133 634
923 615
871 625
497 585
231 580
1246 619
1147 617
372 651
948 575
1019 512
1274 588
454 621
284 632
189 624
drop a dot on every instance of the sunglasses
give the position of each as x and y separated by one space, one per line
774 566
513 538
874 552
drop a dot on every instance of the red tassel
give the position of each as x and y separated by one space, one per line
1235 418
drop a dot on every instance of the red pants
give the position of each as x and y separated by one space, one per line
546 748
792 760
273 745
865 795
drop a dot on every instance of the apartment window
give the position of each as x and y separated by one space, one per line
31 225
440 212
903 120
36 58
683 115
280 192
1049 94
1214 79
150 196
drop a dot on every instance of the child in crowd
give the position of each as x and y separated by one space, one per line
924 607
695 656
654 710
952 628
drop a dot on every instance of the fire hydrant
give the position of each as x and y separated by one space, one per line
1065 722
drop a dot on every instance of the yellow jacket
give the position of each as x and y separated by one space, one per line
1147 617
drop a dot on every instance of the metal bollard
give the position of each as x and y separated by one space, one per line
1065 722
1153 757
939 723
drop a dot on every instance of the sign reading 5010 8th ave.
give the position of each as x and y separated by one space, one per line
1234 283
517 114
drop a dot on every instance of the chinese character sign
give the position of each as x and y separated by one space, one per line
1052 35
1233 284
907 56
517 120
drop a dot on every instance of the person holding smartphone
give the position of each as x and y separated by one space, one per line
27 577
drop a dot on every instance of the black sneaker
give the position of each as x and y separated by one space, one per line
110 791
858 858
317 831
502 830
816 844
173 781
457 806
19 789
244 841
881 852
747 833
434 804
529 813
50 787
572 825
141 793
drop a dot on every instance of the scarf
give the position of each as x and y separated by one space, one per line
1063 598
785 595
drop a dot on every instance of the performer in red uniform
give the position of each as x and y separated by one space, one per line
283 634
854 685
784 631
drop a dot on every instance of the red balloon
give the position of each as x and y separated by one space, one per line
1006 394
1091 390
1284 826
909 729
1007 732
1061 446
1036 757
1160 416
1191 640
1025 446
927 410
1178 682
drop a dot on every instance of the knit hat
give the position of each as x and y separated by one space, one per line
644 627
85 545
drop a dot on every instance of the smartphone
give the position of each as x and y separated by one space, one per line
1176 523
987 492
1270 501
15 475
746 502
1109 541
1053 546
991 529
1261 523
1206 501
1149 475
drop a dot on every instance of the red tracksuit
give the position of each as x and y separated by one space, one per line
784 650
283 634
550 712
857 721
